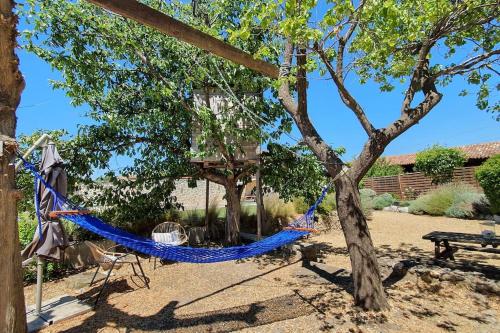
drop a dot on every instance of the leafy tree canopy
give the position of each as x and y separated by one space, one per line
139 85
382 167
384 39
293 171
439 163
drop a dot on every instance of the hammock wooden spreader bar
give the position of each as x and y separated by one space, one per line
153 18
302 229
61 213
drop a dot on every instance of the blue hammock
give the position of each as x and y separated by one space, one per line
181 253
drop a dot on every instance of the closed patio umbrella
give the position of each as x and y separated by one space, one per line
50 243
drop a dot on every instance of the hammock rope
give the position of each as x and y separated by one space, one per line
180 253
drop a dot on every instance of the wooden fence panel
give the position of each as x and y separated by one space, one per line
411 185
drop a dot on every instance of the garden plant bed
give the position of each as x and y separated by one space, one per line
274 294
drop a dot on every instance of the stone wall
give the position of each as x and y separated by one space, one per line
194 198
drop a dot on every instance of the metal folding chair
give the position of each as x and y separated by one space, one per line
110 260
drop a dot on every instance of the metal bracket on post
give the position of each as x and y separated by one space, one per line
44 138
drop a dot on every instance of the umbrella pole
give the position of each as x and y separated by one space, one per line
39 280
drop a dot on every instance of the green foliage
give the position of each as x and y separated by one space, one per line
381 201
173 215
293 171
27 224
77 166
367 196
488 175
389 34
51 271
463 205
139 85
367 192
328 205
300 205
439 162
454 200
382 167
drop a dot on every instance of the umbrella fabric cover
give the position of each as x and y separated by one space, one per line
54 238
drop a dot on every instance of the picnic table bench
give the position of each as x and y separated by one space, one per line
441 238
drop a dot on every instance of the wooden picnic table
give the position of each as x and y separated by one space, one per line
441 238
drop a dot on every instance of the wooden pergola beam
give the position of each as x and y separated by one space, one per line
153 18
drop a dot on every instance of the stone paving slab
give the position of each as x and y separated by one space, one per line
55 310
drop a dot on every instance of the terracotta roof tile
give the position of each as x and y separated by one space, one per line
480 150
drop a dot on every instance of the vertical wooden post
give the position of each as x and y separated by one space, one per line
258 201
12 309
207 196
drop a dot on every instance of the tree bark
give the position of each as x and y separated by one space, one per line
232 234
368 290
12 309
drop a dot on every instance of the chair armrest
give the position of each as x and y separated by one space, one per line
116 255
115 246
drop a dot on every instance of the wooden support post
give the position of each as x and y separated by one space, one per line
258 201
207 197
12 308
171 27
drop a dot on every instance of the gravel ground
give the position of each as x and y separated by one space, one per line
276 294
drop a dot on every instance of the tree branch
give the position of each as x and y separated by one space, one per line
467 65
345 96
309 134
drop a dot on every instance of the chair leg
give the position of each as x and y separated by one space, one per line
154 265
142 272
105 282
133 268
95 274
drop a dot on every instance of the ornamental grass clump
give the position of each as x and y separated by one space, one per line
276 209
453 200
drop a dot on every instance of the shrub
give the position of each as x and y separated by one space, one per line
488 175
366 192
382 167
300 205
454 200
367 196
27 224
328 205
464 205
173 215
381 201
439 162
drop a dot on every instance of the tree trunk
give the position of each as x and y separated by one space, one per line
232 235
368 290
12 310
